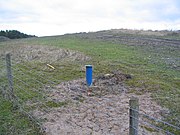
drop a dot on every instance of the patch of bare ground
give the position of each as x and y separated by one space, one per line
43 54
105 112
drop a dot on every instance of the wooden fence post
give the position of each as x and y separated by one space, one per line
9 76
133 116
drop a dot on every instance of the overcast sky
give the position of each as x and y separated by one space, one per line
55 17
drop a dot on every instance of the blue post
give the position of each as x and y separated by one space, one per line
89 72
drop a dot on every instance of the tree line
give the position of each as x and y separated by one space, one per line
14 34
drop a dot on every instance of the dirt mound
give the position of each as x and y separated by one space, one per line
45 54
102 85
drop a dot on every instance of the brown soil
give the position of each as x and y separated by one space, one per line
105 112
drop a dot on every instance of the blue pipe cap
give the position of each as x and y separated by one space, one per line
89 73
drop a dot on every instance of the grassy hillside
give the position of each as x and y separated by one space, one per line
154 69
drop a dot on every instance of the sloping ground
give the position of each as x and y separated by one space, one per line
106 112
160 33
162 49
132 38
109 101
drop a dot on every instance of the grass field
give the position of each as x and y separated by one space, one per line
153 69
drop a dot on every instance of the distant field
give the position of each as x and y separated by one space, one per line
152 61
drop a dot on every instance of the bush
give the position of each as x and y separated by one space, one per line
14 34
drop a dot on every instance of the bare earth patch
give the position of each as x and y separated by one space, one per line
43 54
106 112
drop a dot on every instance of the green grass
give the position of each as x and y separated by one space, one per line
54 104
13 122
150 71
130 59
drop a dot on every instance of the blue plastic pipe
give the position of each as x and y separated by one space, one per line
89 73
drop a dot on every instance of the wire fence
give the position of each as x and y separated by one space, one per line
142 123
25 88
28 87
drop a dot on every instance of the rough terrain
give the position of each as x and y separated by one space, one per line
105 112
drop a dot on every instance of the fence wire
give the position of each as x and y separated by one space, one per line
31 86
149 124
